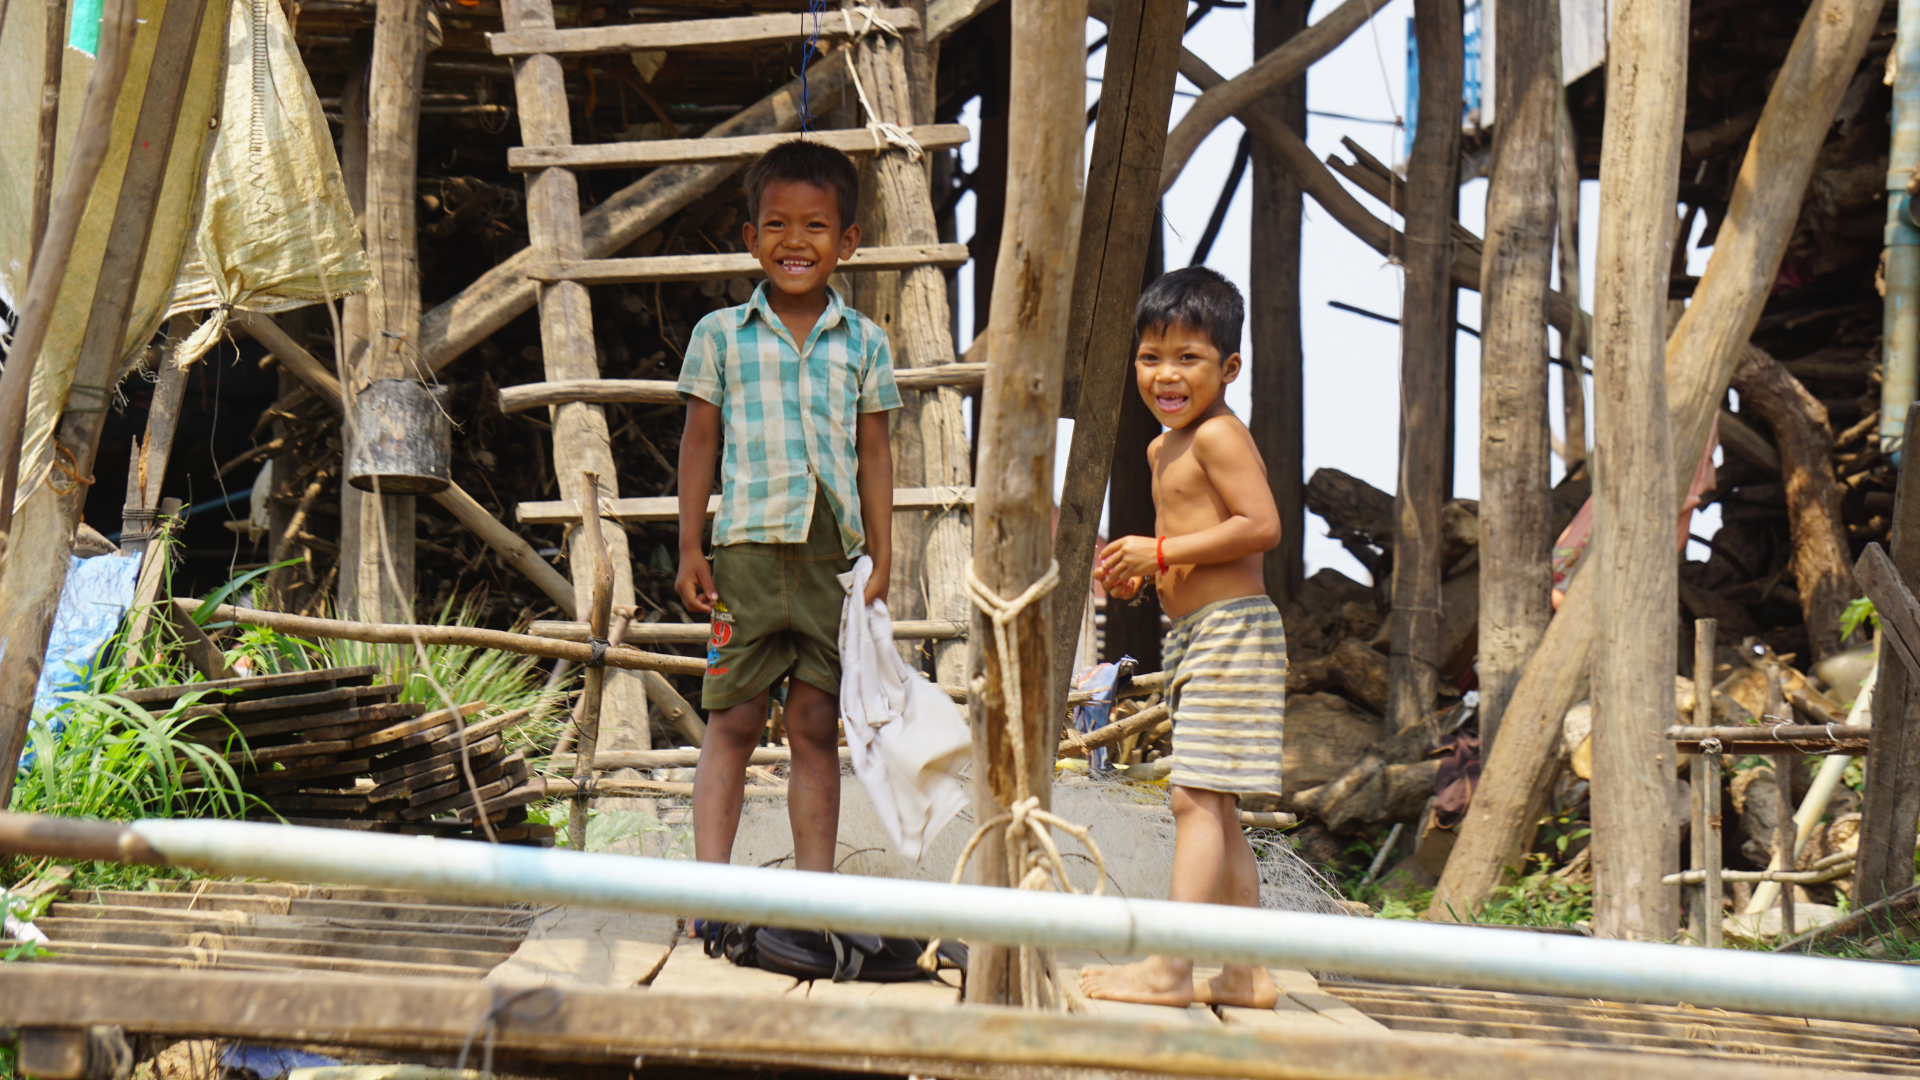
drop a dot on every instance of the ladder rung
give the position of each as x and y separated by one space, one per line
636 155
666 508
515 399
686 34
647 634
724 267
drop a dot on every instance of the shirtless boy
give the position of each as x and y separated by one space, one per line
1226 655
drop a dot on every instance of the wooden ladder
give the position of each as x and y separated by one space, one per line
573 387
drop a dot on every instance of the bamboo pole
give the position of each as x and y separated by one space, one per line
1032 291
1120 215
1573 343
54 248
1700 358
599 608
52 65
1891 811
1426 326
1637 573
1708 842
147 468
1516 571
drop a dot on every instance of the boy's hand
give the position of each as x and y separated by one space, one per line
694 584
1123 590
876 589
1130 557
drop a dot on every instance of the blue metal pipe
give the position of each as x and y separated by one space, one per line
1798 986
1900 345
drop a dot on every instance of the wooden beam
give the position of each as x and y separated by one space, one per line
513 399
616 1026
1700 357
698 633
147 464
1277 416
1891 810
1516 265
727 267
686 35
1120 213
1426 326
665 508
741 149
1573 340
41 539
1804 438
1013 548
556 231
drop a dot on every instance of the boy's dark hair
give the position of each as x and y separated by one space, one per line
803 162
1196 298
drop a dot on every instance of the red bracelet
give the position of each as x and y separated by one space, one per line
1160 553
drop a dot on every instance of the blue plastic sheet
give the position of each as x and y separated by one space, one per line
96 597
270 1063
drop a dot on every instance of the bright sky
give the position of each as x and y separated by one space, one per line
1352 363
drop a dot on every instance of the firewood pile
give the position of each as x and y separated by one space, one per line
331 748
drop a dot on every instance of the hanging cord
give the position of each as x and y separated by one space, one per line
1033 860
814 8
884 134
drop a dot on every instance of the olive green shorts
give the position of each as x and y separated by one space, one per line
778 615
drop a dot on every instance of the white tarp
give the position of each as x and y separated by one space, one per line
276 230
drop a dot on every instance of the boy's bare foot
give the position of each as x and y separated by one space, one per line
1238 984
1153 981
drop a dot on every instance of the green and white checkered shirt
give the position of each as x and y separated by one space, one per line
788 415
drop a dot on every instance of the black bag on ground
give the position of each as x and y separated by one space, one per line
816 954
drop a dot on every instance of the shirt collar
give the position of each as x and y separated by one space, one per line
758 303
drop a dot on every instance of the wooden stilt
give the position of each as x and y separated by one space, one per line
1701 355
1133 626
1573 345
930 438
1277 416
599 613
1891 810
1119 217
42 533
1426 325
1637 571
1013 542
397 69
148 467
352 346
55 55
1516 574
1707 834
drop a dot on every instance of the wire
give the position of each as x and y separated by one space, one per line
814 8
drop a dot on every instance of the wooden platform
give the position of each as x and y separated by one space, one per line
387 970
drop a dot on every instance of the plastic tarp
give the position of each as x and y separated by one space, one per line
92 603
22 44
276 230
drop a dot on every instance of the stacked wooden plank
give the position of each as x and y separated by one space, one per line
332 748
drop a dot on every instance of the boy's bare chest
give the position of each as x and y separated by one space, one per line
1179 483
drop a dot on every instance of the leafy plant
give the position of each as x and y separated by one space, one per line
1539 899
113 759
1857 612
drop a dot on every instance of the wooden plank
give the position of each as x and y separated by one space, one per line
509 770
697 633
615 1026
532 791
154 935
689 970
666 507
513 399
1120 218
739 265
419 726
241 712
683 35
1899 612
582 947
1128 1011
315 727
199 957
1892 805
244 689
447 767
740 148
1516 539
449 743
276 783
921 994
427 766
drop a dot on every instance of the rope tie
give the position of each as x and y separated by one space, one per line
884 133
599 656
1033 859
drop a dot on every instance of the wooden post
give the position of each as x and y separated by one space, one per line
1891 810
1701 355
1133 626
148 467
932 548
1013 537
1116 229
51 67
1426 325
1708 842
42 533
1637 573
580 439
352 346
1516 570
1573 345
599 610
397 69
1783 828
1277 417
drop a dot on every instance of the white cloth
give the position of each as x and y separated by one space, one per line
906 739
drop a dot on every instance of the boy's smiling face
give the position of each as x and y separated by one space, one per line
1182 375
798 238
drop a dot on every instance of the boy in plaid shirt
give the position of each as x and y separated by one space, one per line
800 385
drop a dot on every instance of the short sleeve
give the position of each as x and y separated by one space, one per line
701 373
878 393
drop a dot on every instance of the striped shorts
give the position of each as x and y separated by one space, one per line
1227 690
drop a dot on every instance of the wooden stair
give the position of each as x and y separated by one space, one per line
693 34
741 148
